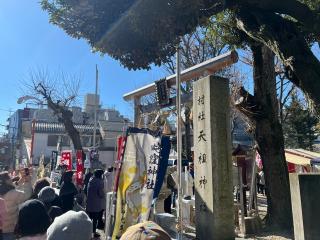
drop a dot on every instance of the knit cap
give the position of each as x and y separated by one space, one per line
47 195
71 225
33 219
145 231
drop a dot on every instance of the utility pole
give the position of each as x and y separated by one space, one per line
95 109
13 139
179 142
33 126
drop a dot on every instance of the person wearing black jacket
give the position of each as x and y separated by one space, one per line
86 180
67 192
96 199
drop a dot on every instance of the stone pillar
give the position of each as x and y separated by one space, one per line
109 215
213 165
305 198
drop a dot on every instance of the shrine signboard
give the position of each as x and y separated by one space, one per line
213 166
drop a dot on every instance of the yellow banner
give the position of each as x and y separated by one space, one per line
137 181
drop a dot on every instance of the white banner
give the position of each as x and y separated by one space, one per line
137 180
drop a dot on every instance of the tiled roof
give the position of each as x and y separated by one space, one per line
49 127
109 126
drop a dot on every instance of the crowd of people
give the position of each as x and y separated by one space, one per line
38 211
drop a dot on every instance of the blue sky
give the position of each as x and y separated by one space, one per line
29 41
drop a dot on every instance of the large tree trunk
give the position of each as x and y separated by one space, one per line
65 116
285 40
269 138
71 130
308 19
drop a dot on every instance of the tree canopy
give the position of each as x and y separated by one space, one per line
300 128
133 32
140 33
153 24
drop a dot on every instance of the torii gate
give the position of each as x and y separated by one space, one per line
213 181
205 68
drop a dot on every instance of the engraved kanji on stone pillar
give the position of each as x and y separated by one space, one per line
213 166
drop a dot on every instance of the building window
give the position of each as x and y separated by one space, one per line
26 113
86 141
53 141
65 141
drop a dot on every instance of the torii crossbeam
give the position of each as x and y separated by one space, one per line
200 70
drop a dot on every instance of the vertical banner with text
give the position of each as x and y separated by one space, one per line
121 141
54 158
139 178
66 159
80 167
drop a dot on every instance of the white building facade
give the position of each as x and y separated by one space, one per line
41 131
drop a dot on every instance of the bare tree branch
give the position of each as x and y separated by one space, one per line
59 91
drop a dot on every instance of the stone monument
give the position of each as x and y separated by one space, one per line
305 198
212 161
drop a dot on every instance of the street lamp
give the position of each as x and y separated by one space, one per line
25 98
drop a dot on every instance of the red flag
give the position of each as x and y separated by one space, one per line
259 160
66 158
121 147
291 167
80 167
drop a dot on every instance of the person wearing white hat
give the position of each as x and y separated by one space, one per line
71 225
145 231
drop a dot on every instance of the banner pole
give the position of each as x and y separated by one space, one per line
179 142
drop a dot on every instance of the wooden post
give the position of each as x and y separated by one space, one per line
213 165
242 206
32 141
252 197
241 162
137 112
